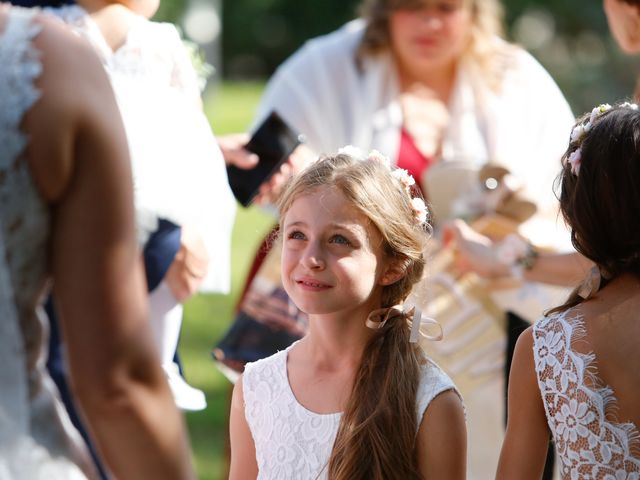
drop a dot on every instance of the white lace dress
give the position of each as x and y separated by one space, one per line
291 441
178 169
37 440
579 408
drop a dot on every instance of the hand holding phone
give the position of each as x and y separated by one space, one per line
273 142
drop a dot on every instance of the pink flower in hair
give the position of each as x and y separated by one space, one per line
376 156
575 159
420 210
578 132
405 178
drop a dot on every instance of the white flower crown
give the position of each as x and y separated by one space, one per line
580 130
403 176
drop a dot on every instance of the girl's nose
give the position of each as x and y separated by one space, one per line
313 258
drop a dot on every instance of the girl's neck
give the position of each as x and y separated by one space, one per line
333 342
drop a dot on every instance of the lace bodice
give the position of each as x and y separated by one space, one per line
291 441
579 408
36 439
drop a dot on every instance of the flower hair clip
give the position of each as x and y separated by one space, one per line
575 159
403 176
579 131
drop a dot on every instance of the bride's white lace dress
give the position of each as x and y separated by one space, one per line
580 409
37 440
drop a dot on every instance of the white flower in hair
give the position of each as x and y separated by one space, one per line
420 209
352 151
575 159
632 106
405 178
599 110
578 132
376 156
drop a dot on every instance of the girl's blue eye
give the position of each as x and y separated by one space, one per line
340 239
296 235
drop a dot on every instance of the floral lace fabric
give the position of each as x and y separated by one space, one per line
36 439
291 441
579 408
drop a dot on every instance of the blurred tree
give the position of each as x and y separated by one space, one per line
171 11
259 34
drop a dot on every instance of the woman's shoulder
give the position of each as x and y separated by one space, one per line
521 66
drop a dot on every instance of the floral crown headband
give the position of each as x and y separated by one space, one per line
405 179
579 131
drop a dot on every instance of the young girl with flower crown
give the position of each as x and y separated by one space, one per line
578 366
356 398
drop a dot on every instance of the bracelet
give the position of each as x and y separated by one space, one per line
516 253
529 258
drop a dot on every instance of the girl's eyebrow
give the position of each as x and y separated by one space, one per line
295 224
354 228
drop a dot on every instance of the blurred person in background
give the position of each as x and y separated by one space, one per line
480 254
66 216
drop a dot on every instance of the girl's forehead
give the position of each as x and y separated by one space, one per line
326 205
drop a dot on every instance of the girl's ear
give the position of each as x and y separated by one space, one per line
394 271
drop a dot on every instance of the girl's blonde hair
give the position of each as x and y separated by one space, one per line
376 437
484 48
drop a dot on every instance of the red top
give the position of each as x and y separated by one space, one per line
411 159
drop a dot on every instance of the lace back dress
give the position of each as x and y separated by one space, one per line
580 409
37 440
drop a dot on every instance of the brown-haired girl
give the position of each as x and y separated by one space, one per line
578 366
356 398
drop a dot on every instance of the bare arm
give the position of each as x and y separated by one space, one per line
243 451
441 445
477 253
527 438
80 162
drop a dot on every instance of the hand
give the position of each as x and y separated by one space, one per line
234 153
475 252
189 267
297 161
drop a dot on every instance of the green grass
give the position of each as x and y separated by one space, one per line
230 108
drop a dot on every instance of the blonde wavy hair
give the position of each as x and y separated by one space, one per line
376 437
484 49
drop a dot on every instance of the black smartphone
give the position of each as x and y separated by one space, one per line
273 142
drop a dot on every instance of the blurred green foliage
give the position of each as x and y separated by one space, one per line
577 49
572 40
259 34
